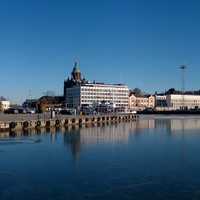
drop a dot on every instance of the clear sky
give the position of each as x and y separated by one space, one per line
137 42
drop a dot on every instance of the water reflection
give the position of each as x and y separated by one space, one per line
112 133
145 159
175 125
75 137
73 140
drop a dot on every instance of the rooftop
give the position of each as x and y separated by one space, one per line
2 98
103 84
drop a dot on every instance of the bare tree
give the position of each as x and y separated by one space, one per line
49 93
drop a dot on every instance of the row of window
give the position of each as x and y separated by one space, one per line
103 97
186 101
103 89
188 105
105 93
92 101
142 101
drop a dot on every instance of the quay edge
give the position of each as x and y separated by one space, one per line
64 122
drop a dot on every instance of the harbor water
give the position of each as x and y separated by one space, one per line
151 158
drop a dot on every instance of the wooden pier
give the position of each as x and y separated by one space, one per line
64 121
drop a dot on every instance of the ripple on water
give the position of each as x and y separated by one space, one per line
8 180
33 192
14 141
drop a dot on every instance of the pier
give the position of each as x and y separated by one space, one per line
26 122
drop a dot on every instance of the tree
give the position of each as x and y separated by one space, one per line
49 93
137 92
173 91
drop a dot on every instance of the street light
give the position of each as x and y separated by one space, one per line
183 68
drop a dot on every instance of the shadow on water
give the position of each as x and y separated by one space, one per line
72 139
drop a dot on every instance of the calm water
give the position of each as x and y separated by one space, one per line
147 159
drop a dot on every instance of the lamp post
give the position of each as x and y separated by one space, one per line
183 68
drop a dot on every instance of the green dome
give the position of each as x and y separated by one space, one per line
76 68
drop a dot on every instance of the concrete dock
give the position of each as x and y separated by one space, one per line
34 121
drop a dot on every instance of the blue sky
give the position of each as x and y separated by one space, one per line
137 42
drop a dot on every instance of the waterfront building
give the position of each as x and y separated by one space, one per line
179 101
30 103
75 80
161 100
141 102
47 103
79 92
4 104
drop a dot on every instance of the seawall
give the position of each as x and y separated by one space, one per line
19 124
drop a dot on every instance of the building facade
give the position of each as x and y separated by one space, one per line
178 101
30 103
91 93
141 102
4 104
161 100
78 92
48 103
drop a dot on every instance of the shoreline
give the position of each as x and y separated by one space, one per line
170 112
168 116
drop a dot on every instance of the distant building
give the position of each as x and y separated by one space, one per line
47 103
75 80
4 104
161 100
30 103
178 101
78 92
141 102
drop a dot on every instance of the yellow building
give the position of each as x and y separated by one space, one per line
141 102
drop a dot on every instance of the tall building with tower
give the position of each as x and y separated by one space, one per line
76 73
79 92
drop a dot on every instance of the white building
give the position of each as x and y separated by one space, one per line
90 93
78 92
4 105
178 101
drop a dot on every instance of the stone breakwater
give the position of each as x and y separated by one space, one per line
36 122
